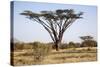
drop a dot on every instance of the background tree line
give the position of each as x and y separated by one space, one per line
41 50
87 41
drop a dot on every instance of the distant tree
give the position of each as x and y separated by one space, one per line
71 44
86 37
77 44
55 22
88 41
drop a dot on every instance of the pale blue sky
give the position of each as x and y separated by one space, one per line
29 31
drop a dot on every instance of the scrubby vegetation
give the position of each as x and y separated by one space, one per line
45 53
40 50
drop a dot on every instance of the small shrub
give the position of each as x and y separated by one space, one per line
63 46
27 46
40 51
88 49
18 46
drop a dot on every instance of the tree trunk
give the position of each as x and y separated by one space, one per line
57 43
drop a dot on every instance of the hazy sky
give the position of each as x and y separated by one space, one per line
28 31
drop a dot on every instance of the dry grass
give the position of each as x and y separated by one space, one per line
25 57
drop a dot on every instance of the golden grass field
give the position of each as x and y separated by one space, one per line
70 55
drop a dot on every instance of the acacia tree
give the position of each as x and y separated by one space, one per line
88 41
86 38
55 22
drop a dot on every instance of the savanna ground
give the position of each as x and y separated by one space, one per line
69 55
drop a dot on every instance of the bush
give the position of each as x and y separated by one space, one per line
18 46
27 46
40 51
63 46
89 43
71 45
